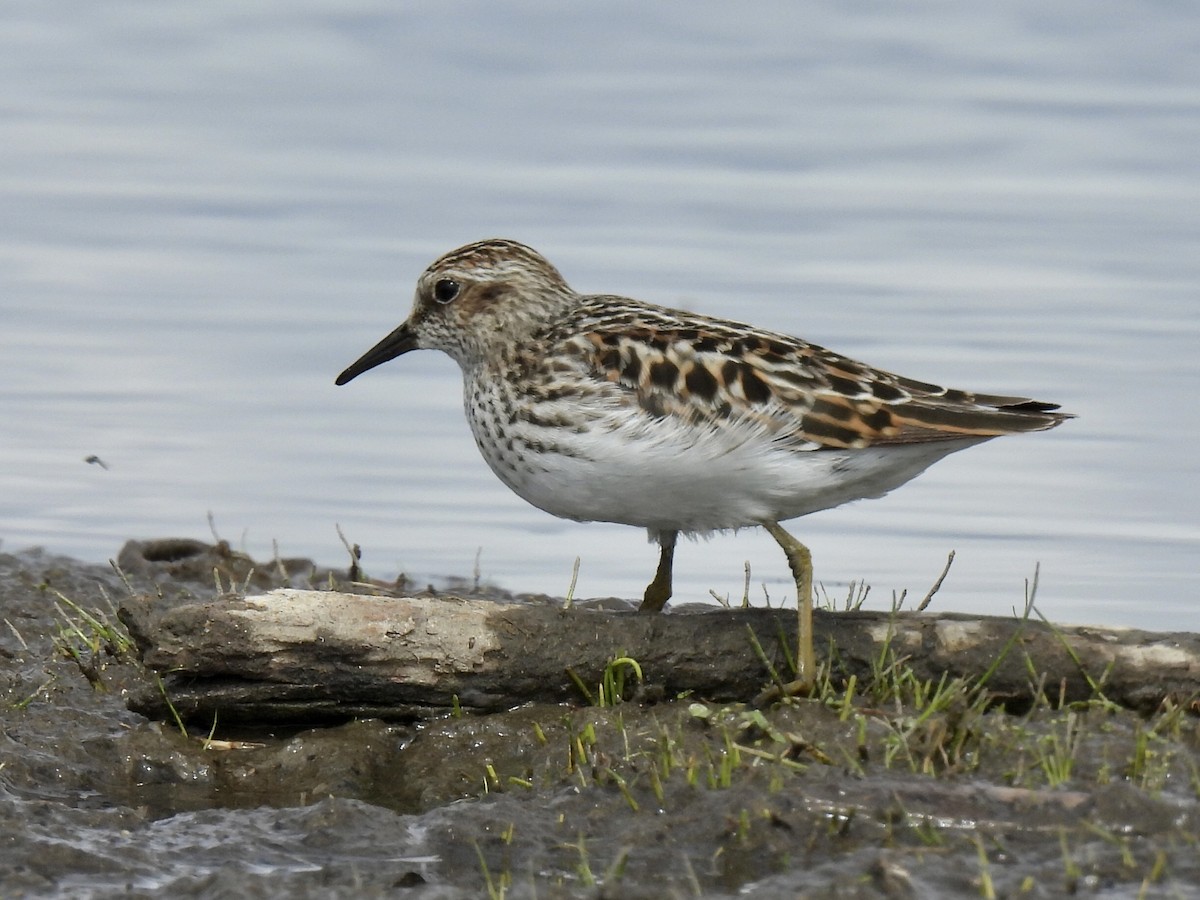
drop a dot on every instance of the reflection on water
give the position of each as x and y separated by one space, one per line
210 212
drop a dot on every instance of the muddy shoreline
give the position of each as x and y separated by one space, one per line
892 791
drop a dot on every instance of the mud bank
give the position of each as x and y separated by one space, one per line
890 786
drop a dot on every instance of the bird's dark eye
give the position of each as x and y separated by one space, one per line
446 290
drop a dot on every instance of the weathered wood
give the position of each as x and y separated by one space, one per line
295 655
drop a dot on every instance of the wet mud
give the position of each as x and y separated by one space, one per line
884 790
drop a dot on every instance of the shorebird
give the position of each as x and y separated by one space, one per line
595 407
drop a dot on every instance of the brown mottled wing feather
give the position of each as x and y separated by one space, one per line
719 373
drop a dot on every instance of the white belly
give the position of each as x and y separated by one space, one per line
678 477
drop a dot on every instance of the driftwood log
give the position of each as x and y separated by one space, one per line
309 656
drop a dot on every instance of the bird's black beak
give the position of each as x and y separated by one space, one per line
399 341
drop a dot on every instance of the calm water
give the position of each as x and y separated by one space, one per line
207 211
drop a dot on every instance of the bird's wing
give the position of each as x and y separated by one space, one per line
717 373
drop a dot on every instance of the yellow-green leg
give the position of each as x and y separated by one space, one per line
658 592
800 561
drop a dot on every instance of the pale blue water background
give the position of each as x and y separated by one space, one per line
208 210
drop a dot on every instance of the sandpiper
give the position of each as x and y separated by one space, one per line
601 408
